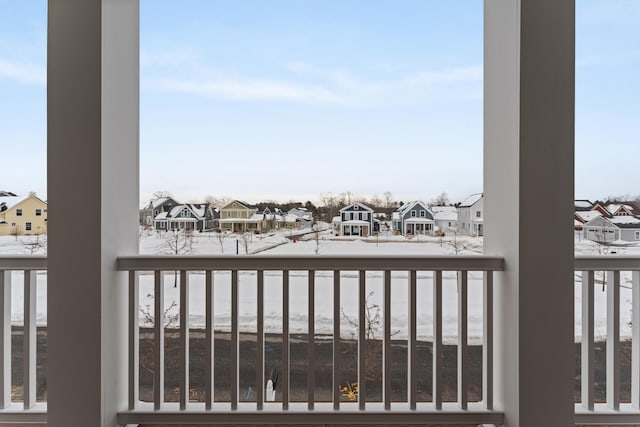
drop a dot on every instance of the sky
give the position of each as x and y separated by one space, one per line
287 100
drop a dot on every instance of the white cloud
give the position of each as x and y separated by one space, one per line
23 72
307 84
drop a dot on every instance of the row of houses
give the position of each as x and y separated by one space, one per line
22 215
414 218
610 223
356 219
166 214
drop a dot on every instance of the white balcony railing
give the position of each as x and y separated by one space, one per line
427 279
25 409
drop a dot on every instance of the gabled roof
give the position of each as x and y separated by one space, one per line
615 221
356 206
586 216
471 200
241 203
11 201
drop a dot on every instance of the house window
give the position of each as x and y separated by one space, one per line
38 212
477 214
28 226
637 235
413 214
13 224
365 216
423 214
18 212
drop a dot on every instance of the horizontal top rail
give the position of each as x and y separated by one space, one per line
607 262
317 262
22 262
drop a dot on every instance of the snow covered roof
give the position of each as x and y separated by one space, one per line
9 201
437 209
335 219
355 222
588 215
418 220
583 205
7 194
162 215
471 200
446 216
408 206
625 221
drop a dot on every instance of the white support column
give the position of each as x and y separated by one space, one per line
93 117
529 70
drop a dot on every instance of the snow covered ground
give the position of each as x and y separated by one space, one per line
277 243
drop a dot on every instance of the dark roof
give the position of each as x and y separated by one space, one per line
7 194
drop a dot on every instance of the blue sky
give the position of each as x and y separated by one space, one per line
288 99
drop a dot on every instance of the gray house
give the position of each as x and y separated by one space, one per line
190 217
613 230
155 208
413 218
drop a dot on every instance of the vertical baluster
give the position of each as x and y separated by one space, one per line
437 339
613 340
29 340
5 340
386 348
462 339
635 339
336 340
134 339
234 340
362 343
210 340
184 339
487 347
311 347
158 350
260 343
587 347
412 350
285 340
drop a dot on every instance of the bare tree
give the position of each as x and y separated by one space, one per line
218 202
220 237
147 346
34 246
17 231
457 245
388 199
178 242
244 240
160 194
440 200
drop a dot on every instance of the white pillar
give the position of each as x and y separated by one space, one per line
93 119
528 185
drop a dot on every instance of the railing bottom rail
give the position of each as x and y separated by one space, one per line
15 413
322 413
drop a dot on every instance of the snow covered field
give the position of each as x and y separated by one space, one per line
205 243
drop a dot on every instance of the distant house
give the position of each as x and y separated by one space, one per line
241 217
356 219
582 217
413 218
297 218
190 217
445 217
620 229
624 209
470 215
22 215
154 208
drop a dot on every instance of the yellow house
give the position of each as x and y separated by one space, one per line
240 217
22 216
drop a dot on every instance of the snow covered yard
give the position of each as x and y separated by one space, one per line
327 244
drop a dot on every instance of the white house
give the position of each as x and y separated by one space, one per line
621 229
445 217
470 215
